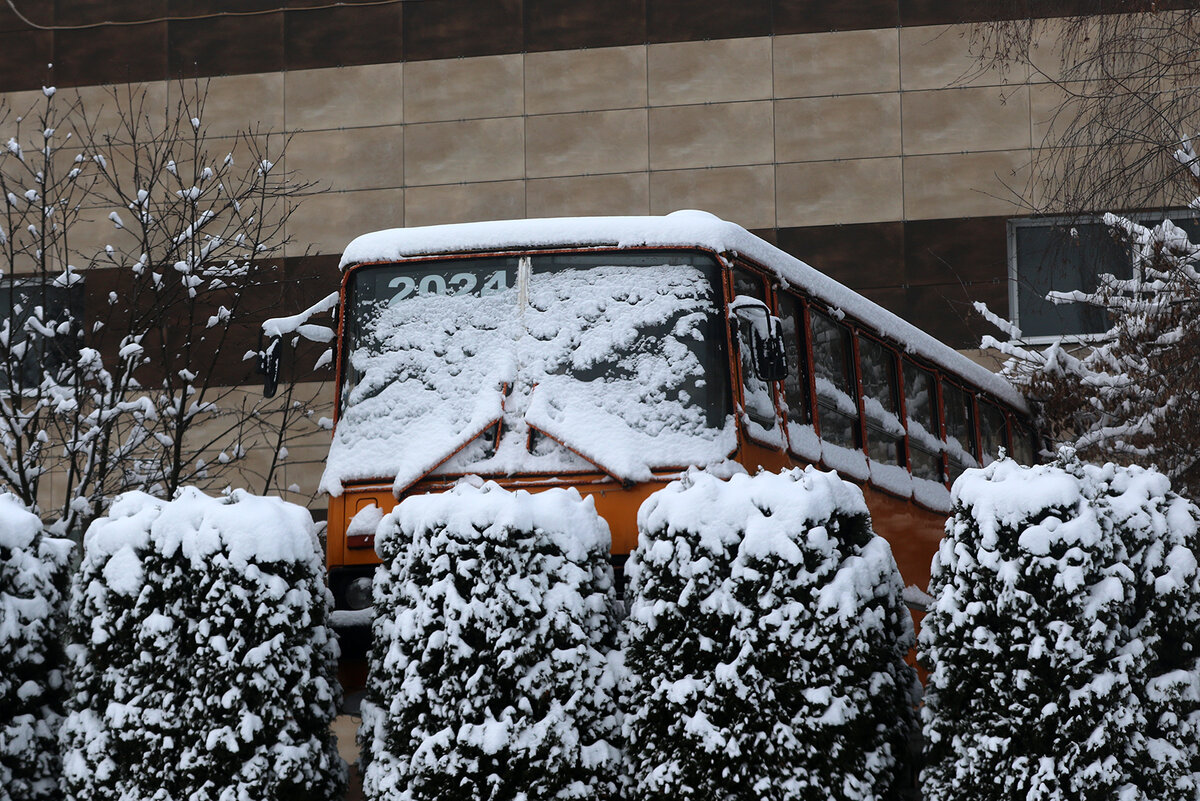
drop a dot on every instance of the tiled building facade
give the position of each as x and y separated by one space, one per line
856 136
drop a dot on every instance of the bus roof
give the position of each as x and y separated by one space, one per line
678 229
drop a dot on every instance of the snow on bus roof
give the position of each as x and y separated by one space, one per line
679 229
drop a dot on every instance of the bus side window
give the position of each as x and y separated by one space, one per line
795 386
837 412
758 397
1024 448
881 407
992 431
960 429
924 432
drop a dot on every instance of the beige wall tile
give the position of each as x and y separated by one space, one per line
744 195
344 97
717 135
833 192
590 142
107 106
242 102
585 80
463 88
587 195
714 71
841 62
939 56
473 150
963 184
846 126
365 158
433 205
326 223
957 120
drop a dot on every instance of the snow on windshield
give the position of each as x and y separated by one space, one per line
608 365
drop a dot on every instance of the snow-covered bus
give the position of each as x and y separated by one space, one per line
610 354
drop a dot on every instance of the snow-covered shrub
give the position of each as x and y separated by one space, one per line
202 667
491 673
31 570
1062 637
765 644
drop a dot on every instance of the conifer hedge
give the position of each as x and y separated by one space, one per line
202 667
491 672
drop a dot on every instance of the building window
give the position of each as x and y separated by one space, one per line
24 359
1062 254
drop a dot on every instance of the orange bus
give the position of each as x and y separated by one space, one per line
611 354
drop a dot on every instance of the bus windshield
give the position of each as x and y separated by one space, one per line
554 362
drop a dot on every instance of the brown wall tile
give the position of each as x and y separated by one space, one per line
716 135
459 28
337 97
833 192
938 12
434 205
336 37
39 14
224 45
123 54
709 72
585 143
23 59
558 25
849 126
372 159
974 119
859 256
326 222
472 150
464 88
807 16
970 250
818 64
690 20
585 195
585 80
976 184
744 195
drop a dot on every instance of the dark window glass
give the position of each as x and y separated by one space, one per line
22 302
837 412
795 386
885 432
924 433
759 399
992 432
1061 258
1024 449
960 429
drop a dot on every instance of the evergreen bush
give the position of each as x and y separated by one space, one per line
202 666
491 672
1062 638
765 644
31 573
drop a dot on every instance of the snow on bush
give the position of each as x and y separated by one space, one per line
1062 641
201 662
31 569
765 643
491 672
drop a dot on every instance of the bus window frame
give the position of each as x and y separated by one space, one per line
737 379
897 389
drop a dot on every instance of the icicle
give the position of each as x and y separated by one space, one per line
524 273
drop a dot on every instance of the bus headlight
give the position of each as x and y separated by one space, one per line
358 593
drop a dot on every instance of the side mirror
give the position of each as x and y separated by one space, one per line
763 333
268 364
